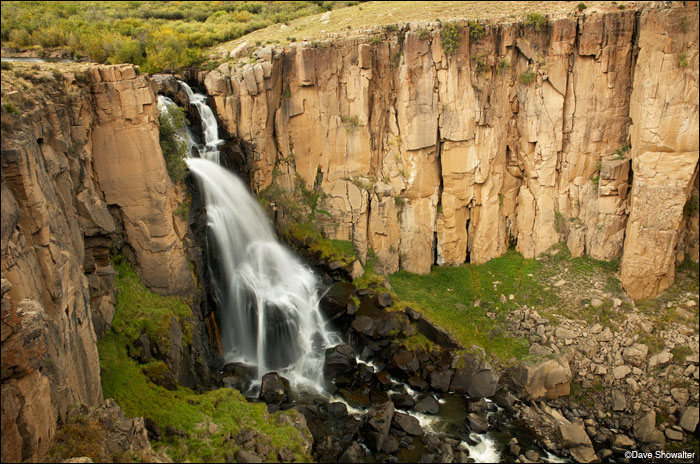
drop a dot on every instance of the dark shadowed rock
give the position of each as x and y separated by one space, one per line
404 363
408 424
339 359
477 423
428 405
384 300
378 424
403 400
354 453
417 383
440 380
363 325
274 388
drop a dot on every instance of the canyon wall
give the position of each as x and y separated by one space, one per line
82 175
583 131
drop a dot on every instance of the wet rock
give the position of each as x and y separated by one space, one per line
391 444
403 400
440 380
477 423
339 360
378 424
407 423
428 405
476 405
354 453
532 455
274 388
363 325
238 375
403 363
335 302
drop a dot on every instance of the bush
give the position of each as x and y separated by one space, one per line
5 66
527 77
682 60
535 19
476 30
581 6
451 37
503 65
424 34
10 108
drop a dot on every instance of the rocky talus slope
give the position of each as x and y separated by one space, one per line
82 174
433 150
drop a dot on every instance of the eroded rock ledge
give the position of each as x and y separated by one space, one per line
583 131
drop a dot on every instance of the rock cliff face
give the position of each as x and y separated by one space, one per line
82 173
579 131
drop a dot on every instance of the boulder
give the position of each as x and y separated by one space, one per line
428 405
575 438
440 380
407 423
378 425
645 429
635 354
689 419
353 453
384 300
549 379
340 359
274 388
477 423
247 456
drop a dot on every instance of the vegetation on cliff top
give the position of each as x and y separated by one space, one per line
123 379
156 35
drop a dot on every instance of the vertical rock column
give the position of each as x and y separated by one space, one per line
664 111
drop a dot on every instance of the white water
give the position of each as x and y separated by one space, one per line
210 128
485 449
268 299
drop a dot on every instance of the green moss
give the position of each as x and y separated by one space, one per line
351 122
327 250
123 380
10 108
138 310
172 121
446 295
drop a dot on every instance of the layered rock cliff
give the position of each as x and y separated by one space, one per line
82 175
440 151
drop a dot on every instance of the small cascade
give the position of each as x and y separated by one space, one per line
268 300
210 128
164 103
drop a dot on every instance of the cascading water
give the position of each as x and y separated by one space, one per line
269 301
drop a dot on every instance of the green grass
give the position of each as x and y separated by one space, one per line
123 380
156 35
446 297
138 310
327 250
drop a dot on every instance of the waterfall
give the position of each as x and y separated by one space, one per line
210 128
268 300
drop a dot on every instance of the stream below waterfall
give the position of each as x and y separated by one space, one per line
268 302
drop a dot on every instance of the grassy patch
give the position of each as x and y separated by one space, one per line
139 310
527 77
327 250
446 297
123 380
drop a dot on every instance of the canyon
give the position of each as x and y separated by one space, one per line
421 151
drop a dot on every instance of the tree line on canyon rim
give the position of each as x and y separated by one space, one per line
158 36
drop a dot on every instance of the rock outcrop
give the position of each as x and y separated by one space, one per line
520 136
82 174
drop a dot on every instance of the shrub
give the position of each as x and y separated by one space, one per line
391 28
451 37
581 6
527 77
351 122
5 65
10 108
535 19
480 61
503 65
424 34
476 30
682 60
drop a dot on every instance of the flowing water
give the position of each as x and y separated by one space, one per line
268 300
